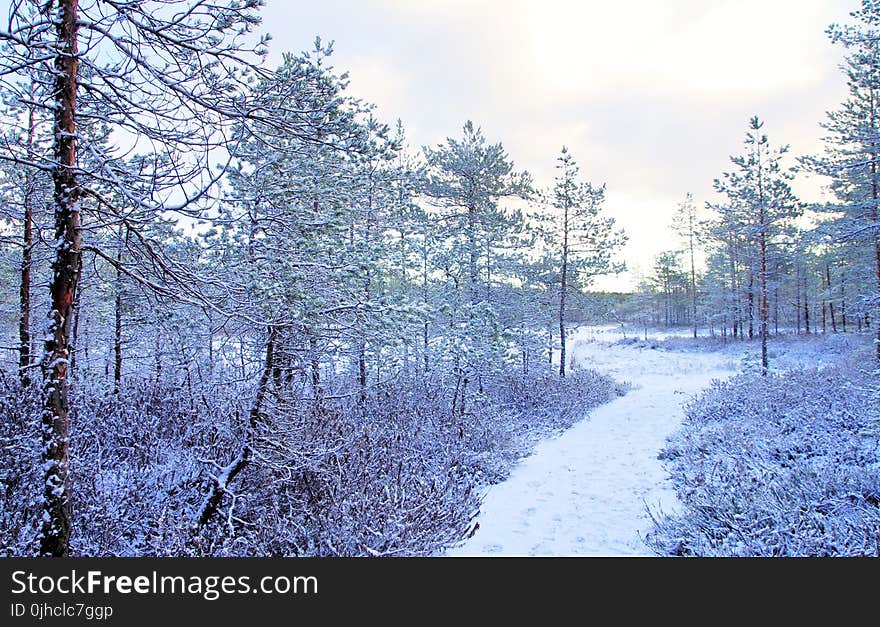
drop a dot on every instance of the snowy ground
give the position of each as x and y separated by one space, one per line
587 491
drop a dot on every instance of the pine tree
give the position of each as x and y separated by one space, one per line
168 80
26 194
852 156
466 180
686 225
759 188
581 241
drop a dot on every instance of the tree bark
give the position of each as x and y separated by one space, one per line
488 270
24 320
693 272
425 327
117 342
368 278
797 301
563 287
877 268
734 297
875 223
74 335
830 298
474 256
806 309
750 299
55 531
117 317
158 353
210 343
764 311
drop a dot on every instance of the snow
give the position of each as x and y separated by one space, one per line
587 492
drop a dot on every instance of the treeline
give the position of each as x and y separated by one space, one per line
818 297
773 262
272 327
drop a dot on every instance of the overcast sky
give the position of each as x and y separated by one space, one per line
650 96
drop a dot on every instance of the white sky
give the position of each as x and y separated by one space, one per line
651 96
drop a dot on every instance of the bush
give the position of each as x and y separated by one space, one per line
783 465
393 474
20 471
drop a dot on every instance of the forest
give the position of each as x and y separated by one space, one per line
243 316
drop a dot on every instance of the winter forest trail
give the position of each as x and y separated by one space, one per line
585 492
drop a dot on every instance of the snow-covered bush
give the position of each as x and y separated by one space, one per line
783 465
20 469
392 474
395 474
539 405
136 462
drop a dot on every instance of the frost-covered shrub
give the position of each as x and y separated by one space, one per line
135 465
392 474
20 468
784 465
396 474
539 405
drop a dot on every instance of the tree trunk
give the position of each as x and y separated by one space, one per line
474 256
425 328
220 485
367 285
734 300
117 342
693 275
877 268
563 286
425 345
764 312
830 298
55 532
74 337
362 349
158 353
24 320
750 299
362 371
315 366
762 243
488 270
667 305
806 309
117 337
875 223
210 344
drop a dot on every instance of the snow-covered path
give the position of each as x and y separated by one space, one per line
585 492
